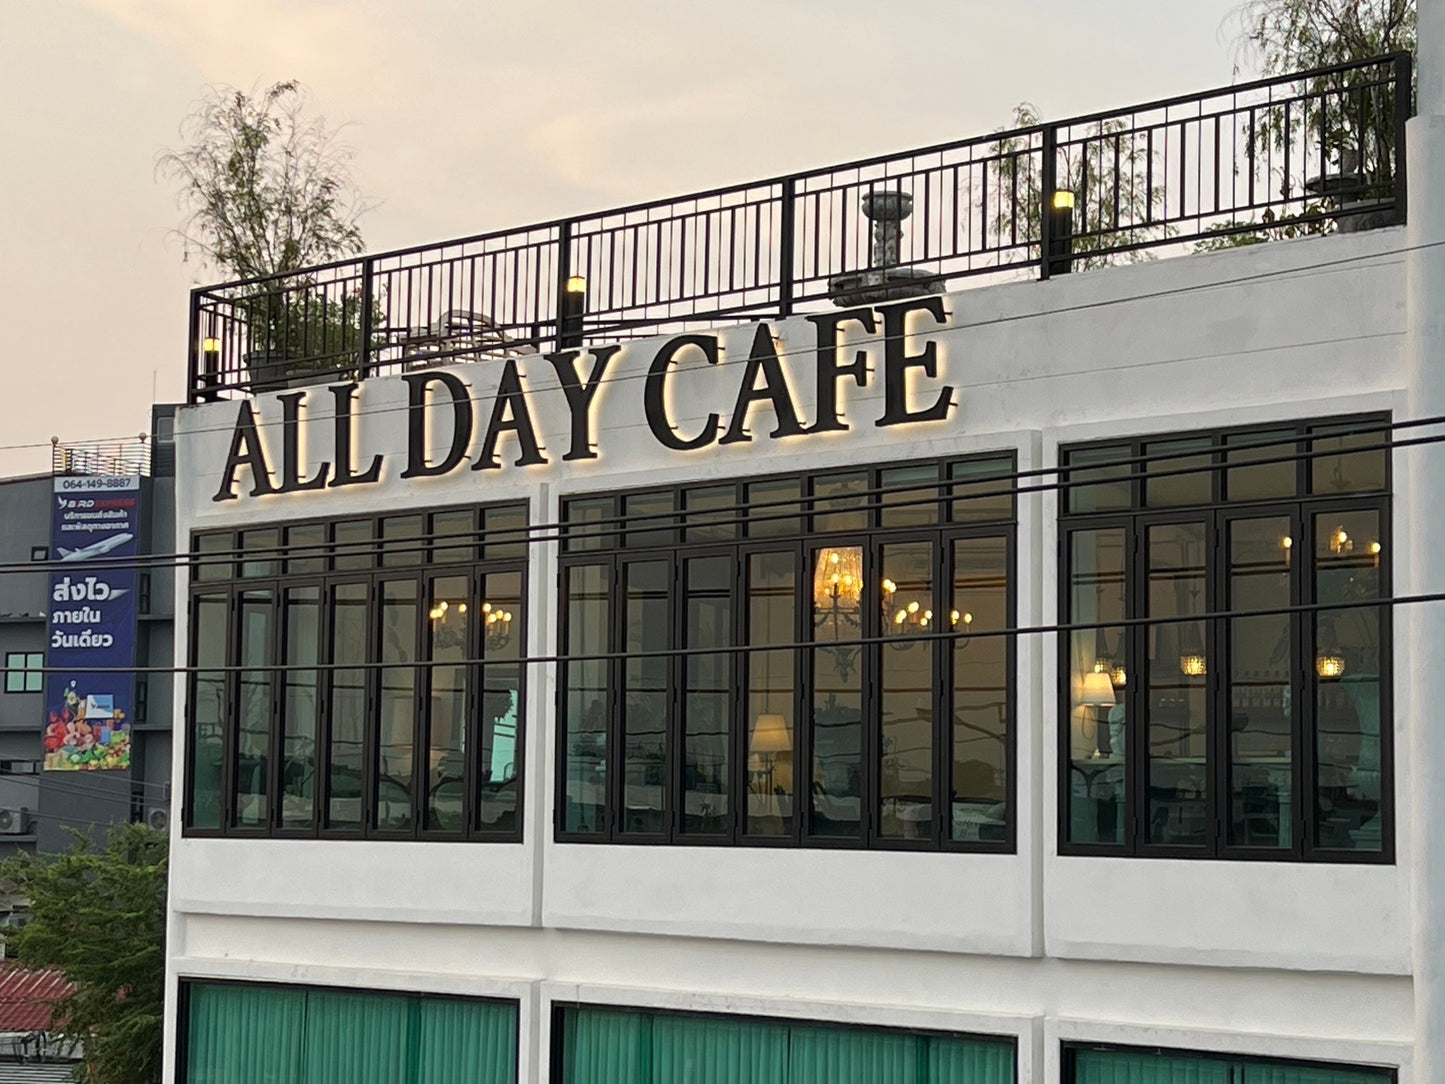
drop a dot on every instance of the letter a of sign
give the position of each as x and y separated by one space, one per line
246 451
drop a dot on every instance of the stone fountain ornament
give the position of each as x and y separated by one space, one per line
884 280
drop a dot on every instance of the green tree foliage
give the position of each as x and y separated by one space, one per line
98 916
1343 118
265 189
1106 214
1297 35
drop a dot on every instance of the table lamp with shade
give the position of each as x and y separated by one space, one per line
1098 693
770 738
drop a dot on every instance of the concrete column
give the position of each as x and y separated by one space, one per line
1420 761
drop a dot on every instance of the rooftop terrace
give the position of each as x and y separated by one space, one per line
1309 153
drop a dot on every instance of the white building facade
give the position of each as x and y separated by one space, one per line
839 696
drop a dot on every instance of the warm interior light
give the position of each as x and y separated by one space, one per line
1119 676
1193 665
211 346
576 285
1098 691
770 734
1340 541
838 582
1329 666
1063 200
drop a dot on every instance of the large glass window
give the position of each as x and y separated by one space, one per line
24 671
1225 678
635 1046
819 660
1140 1065
359 677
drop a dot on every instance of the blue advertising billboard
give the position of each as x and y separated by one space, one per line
92 623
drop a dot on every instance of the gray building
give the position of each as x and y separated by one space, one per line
36 806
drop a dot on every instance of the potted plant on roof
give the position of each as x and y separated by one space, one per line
267 196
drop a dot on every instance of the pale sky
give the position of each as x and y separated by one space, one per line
472 115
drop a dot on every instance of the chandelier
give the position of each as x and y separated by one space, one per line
901 618
838 581
446 633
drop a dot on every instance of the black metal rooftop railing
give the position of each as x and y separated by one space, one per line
1313 152
130 455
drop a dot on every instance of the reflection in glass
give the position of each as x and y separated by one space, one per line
712 513
498 773
1101 488
253 724
837 703
1345 468
1260 758
354 548
1165 485
401 541
1267 479
772 616
299 707
208 711
842 504
649 519
505 530
979 786
1176 684
906 733
707 699
500 745
590 523
983 490
259 548
213 557
1347 784
449 625
454 536
644 712
306 548
909 496
1099 672
773 508
587 688
397 730
348 705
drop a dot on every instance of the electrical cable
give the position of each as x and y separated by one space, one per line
880 339
596 528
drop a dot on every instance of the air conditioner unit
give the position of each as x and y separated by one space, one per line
158 817
14 822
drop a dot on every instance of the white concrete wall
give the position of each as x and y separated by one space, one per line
1289 959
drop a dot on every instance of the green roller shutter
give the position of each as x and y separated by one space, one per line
605 1048
356 1039
612 1046
467 1042
1146 1067
245 1035
1157 1067
1307 1074
711 1050
240 1034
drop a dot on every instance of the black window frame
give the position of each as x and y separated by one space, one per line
416 565
1135 462
28 674
1070 1049
580 547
